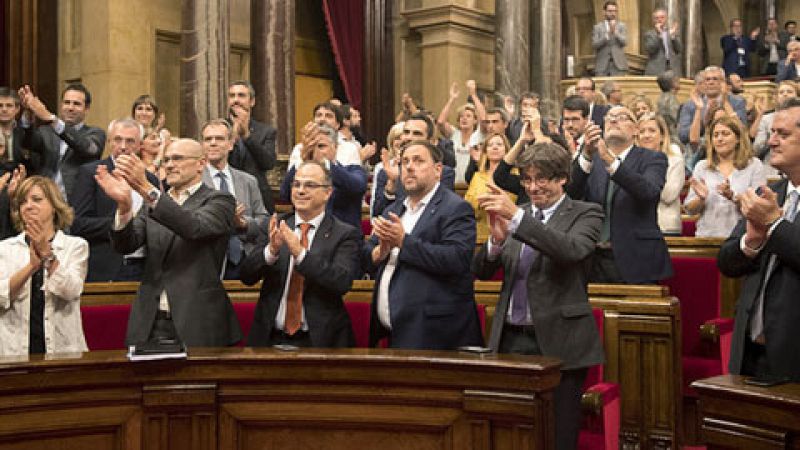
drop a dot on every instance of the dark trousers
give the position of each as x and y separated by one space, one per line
131 270
299 339
163 328
566 397
604 267
754 359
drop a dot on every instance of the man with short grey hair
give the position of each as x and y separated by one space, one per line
714 95
663 45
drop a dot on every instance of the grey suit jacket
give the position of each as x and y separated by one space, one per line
557 281
657 61
186 247
608 50
246 191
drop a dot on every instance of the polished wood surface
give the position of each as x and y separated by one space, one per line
237 398
734 415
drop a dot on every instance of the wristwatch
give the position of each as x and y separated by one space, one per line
47 260
153 194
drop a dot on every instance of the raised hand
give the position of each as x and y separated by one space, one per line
454 92
497 202
292 241
367 151
472 87
275 236
699 187
134 171
239 219
724 189
762 208
389 165
16 178
498 228
115 186
390 229
4 180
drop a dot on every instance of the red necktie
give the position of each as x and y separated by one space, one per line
294 298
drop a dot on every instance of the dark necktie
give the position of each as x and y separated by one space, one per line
234 244
294 298
519 299
608 205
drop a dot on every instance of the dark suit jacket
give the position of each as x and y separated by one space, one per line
349 185
781 308
83 145
507 181
329 268
558 300
94 218
6 226
186 247
255 155
730 54
380 202
599 115
786 72
638 245
431 296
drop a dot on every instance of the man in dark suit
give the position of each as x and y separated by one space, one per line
9 109
736 49
420 254
254 149
62 144
94 210
585 87
185 232
626 181
789 68
301 296
763 249
251 216
543 248
349 181
714 95
663 45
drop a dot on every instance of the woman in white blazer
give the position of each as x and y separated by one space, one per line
41 275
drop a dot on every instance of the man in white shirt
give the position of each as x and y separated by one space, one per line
609 38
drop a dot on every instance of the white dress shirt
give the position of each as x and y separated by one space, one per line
270 258
409 221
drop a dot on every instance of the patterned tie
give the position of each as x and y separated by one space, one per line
294 298
757 321
519 299
234 244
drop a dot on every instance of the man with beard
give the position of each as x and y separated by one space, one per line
254 149
626 181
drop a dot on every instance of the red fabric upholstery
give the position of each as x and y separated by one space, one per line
359 317
688 227
366 227
696 283
601 433
104 326
245 313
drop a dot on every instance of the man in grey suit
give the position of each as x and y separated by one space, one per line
186 233
609 38
543 248
218 139
63 143
663 46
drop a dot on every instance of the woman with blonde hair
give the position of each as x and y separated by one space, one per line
386 170
728 170
492 152
41 275
654 135
640 105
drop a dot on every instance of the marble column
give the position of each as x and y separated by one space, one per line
512 47
547 55
205 46
272 31
694 37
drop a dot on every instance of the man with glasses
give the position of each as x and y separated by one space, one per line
609 39
308 262
585 87
543 247
185 232
349 181
251 215
715 96
789 68
663 45
626 181
94 210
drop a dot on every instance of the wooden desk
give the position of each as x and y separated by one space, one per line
734 415
239 398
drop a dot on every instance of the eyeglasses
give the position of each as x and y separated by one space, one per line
539 180
618 118
310 185
178 158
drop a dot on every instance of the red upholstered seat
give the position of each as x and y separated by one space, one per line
366 226
688 227
359 318
696 284
600 431
104 326
245 313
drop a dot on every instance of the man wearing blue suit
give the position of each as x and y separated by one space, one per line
789 68
349 181
420 254
736 49
94 209
585 87
714 94
626 181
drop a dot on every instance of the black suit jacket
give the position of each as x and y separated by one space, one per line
186 246
329 268
94 218
431 295
381 202
781 306
556 283
83 145
256 155
639 248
